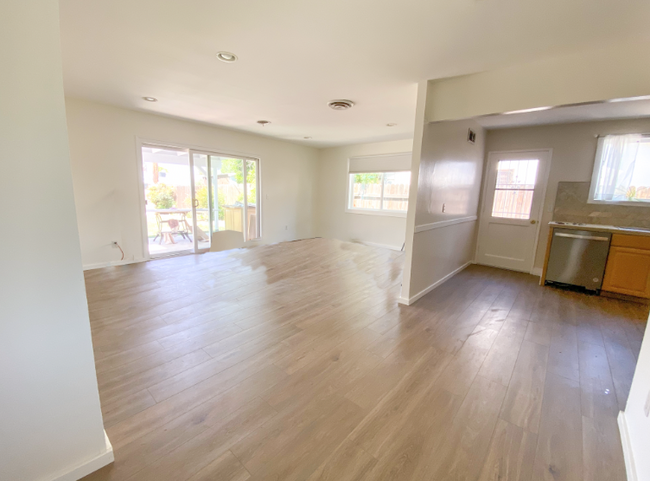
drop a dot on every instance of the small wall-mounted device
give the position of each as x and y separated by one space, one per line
443 208
471 136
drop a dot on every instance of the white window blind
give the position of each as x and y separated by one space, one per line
381 163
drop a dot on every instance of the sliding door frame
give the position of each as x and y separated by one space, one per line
191 150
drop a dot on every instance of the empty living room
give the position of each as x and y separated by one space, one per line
342 241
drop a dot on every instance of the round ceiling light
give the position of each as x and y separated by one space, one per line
150 99
307 138
263 123
227 57
340 104
391 125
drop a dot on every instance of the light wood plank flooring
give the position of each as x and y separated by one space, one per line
294 362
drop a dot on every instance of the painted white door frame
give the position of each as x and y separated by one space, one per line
543 178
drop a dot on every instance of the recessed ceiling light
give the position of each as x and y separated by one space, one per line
263 123
227 57
391 125
340 104
307 138
150 99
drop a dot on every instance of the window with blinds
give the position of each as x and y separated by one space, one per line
379 184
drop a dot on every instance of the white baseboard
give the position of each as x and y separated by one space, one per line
423 292
630 467
100 265
536 271
84 469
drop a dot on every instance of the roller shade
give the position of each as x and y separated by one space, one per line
381 163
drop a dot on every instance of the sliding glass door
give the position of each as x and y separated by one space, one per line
233 194
168 200
189 195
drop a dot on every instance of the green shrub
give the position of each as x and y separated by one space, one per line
161 195
202 196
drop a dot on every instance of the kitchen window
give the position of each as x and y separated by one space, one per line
621 170
379 184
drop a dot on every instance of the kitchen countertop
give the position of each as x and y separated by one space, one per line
602 228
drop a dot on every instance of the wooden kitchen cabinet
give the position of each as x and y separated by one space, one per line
628 268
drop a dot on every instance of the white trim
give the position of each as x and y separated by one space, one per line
638 203
536 271
99 265
444 223
423 292
386 213
630 466
84 469
142 207
383 246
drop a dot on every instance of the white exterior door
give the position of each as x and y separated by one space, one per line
513 197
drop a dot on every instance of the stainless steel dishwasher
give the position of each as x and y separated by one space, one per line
578 258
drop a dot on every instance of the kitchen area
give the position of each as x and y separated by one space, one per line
602 248
582 221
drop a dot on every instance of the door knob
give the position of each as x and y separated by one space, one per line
533 222
196 203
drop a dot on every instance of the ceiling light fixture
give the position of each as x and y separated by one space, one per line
227 57
340 104
150 99
307 138
391 125
263 123
525 111
630 99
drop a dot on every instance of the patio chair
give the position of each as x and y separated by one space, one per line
167 228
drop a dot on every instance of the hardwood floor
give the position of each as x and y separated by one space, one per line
294 362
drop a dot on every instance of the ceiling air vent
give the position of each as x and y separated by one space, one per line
341 104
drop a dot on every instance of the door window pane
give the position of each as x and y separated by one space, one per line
251 197
230 188
515 184
168 200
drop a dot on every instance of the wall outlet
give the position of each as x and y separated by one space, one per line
443 208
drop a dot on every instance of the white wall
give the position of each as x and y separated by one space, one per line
107 190
450 171
50 417
610 72
574 149
636 411
332 219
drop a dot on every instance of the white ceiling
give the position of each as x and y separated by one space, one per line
296 55
563 115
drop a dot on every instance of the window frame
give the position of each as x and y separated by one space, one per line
497 189
380 211
596 171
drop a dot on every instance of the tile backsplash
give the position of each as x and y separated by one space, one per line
571 206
